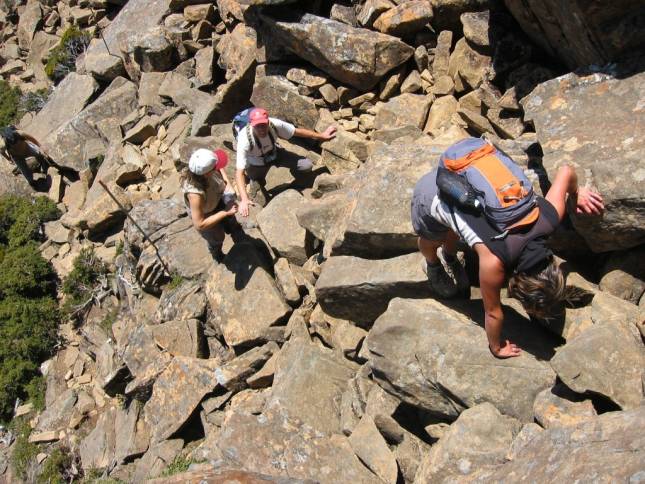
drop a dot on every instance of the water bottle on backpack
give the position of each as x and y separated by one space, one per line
456 190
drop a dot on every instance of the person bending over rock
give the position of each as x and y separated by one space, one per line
258 151
18 146
209 198
482 195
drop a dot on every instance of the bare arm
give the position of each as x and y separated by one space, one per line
200 222
329 133
491 280
226 180
566 186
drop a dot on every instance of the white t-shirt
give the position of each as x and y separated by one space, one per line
252 155
440 211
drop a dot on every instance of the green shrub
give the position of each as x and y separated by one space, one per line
55 467
9 103
62 58
29 315
24 452
36 392
82 282
24 273
179 464
21 218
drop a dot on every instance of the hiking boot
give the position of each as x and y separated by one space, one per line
441 283
456 271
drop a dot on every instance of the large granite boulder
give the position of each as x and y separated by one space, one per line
280 227
404 110
68 99
103 59
358 57
279 445
360 289
607 359
624 275
82 137
480 436
405 19
177 392
309 382
609 448
582 32
607 150
438 359
243 296
281 99
375 223
29 22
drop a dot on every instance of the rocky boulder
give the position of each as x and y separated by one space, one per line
309 382
279 445
361 289
281 99
481 436
404 110
243 296
405 19
177 392
438 359
280 227
358 57
604 35
607 359
83 136
607 152
608 448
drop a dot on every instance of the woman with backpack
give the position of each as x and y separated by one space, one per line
210 198
481 196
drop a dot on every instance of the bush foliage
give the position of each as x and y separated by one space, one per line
9 103
62 58
82 283
28 308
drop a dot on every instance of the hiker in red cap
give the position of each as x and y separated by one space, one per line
209 197
257 149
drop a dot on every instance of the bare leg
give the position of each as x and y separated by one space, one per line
429 247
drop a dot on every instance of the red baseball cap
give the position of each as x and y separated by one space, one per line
258 116
222 159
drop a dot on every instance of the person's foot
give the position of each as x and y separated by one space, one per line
455 270
440 282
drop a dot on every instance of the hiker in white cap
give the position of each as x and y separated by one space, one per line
210 197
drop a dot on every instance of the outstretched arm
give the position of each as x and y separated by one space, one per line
197 213
566 186
491 280
328 134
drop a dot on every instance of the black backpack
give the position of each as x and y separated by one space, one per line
10 136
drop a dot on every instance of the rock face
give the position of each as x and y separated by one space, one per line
606 359
135 18
607 448
407 18
177 392
69 99
561 110
583 33
434 358
308 384
358 57
481 436
275 444
280 227
80 139
282 100
360 289
244 297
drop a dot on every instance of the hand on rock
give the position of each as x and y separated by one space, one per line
589 202
329 133
244 207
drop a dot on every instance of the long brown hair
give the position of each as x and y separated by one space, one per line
540 293
198 181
